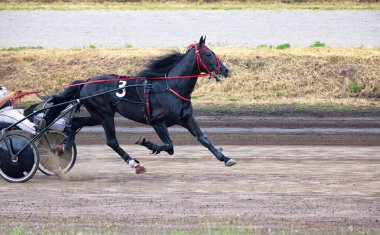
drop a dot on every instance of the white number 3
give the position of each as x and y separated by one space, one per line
121 92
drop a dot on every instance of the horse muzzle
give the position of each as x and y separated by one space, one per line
218 77
221 75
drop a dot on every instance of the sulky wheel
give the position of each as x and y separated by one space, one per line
49 161
24 166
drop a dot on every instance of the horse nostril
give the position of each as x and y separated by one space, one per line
226 72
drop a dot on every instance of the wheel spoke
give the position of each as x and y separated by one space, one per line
49 160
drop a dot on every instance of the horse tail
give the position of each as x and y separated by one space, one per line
70 93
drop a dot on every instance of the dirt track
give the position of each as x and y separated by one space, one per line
256 130
311 189
288 178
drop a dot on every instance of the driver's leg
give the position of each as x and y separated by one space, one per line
13 116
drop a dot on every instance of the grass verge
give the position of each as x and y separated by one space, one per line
204 228
189 5
295 78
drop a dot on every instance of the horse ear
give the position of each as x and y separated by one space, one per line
201 41
204 40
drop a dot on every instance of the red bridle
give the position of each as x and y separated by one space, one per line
200 60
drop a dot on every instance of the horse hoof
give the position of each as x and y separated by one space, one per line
140 169
140 140
230 162
59 150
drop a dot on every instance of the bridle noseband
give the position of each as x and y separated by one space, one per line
200 60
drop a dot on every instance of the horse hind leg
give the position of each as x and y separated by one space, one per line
75 124
156 149
162 132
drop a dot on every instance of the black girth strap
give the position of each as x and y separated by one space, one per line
148 113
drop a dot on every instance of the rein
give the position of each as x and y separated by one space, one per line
125 78
199 60
120 78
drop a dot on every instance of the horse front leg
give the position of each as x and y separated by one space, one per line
193 127
162 132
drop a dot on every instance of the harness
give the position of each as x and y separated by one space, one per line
148 113
148 90
148 87
200 60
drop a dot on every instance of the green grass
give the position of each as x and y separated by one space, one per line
264 46
283 46
128 45
207 228
318 44
188 5
355 87
16 231
232 98
22 48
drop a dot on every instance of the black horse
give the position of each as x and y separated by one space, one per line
161 98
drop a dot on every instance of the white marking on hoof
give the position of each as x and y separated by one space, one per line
140 140
230 162
132 163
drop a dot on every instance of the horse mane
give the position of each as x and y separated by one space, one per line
162 65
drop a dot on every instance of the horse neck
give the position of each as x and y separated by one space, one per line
187 66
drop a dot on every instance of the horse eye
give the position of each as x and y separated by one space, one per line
208 54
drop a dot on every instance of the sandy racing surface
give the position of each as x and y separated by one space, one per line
305 189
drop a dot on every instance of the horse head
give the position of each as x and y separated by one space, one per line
208 62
